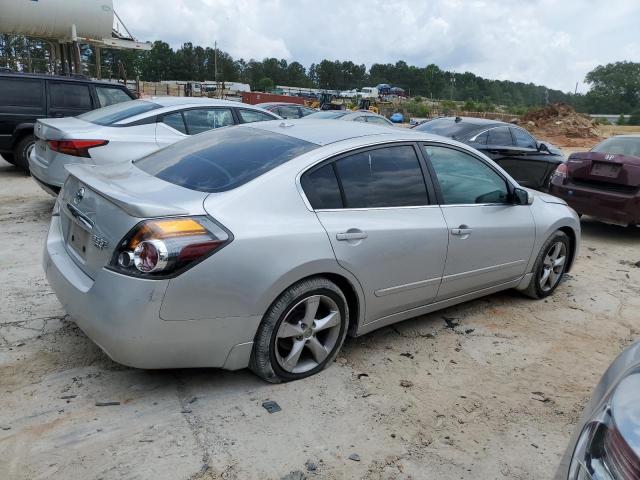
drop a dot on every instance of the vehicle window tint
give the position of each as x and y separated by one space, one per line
307 111
118 112
23 92
482 138
384 177
203 119
499 136
523 139
619 146
360 119
465 179
110 96
175 120
377 121
321 188
222 159
250 116
289 112
69 95
447 127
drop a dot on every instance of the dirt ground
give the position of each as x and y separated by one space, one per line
490 389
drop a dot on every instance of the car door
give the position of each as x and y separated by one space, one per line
534 167
490 238
68 99
374 205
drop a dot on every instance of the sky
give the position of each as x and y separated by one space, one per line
547 42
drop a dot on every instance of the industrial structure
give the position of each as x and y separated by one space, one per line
66 24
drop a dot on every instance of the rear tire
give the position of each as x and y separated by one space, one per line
550 265
22 150
9 158
301 333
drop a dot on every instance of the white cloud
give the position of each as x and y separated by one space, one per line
540 41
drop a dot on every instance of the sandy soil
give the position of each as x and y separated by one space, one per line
492 387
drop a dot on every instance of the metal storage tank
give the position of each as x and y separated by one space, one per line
53 18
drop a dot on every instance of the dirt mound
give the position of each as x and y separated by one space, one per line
560 119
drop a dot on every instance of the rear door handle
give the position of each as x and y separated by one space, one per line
461 231
346 236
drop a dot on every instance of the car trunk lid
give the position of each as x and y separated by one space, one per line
100 205
57 129
604 170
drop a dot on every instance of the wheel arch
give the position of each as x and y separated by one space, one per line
570 232
20 131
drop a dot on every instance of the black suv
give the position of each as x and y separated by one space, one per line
26 97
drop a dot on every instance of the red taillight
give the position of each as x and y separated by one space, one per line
619 456
561 173
76 148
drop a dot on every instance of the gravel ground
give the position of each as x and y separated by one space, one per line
487 389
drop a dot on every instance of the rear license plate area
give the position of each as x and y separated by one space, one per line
78 239
605 169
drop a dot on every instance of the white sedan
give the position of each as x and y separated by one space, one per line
127 131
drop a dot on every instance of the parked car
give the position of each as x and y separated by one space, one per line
351 116
24 98
127 131
287 110
529 161
604 182
606 442
262 245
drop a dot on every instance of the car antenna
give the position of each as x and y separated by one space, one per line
285 125
458 119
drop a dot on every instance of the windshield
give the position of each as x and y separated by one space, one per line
120 111
221 160
619 146
446 127
328 114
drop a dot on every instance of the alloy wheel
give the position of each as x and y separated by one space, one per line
308 334
553 266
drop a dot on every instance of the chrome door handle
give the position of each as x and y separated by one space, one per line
345 236
461 231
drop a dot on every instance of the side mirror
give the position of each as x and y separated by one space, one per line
542 147
522 197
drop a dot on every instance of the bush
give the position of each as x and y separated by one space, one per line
417 99
621 120
634 119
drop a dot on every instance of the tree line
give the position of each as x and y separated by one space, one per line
614 88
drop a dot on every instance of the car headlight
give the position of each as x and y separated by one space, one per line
609 445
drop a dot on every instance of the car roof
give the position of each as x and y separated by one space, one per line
173 101
44 76
480 122
274 104
326 131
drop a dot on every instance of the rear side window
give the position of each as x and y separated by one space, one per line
289 111
69 95
110 96
499 136
201 120
21 92
222 159
384 177
175 121
120 111
321 188
250 116
378 121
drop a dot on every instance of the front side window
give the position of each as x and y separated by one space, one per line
523 139
70 95
384 177
465 179
307 111
500 136
204 119
288 111
110 96
222 159
250 116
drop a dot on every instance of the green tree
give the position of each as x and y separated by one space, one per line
265 84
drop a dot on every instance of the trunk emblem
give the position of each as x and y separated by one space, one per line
609 156
78 196
99 242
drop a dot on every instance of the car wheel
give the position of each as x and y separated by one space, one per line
301 332
9 158
22 151
550 266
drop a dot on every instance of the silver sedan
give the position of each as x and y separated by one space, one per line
264 245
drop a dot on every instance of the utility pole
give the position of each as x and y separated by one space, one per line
215 66
576 90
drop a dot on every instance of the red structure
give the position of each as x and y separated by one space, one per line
253 98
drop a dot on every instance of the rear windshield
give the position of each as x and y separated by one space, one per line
329 114
120 111
619 146
446 127
223 159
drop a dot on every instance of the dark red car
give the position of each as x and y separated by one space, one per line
604 182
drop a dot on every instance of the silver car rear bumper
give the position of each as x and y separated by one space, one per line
121 315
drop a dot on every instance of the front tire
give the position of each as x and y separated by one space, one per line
301 333
22 151
550 266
